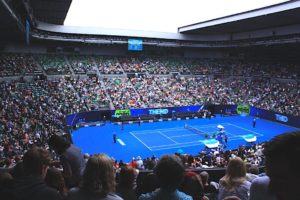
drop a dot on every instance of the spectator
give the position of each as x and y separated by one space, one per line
125 188
55 180
139 163
192 185
260 190
252 172
32 186
170 173
148 184
71 159
234 182
98 180
210 188
282 165
6 181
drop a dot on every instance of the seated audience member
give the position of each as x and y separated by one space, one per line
234 182
71 159
32 186
98 181
170 173
260 190
210 188
125 188
282 165
231 198
55 180
6 181
192 185
146 184
252 172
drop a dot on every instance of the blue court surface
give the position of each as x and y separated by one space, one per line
160 138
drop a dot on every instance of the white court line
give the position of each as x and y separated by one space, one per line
167 137
153 130
175 128
246 129
121 142
183 135
165 145
178 146
140 141
187 144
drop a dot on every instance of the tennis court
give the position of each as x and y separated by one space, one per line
160 138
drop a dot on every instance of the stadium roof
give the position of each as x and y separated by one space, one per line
50 11
283 14
53 12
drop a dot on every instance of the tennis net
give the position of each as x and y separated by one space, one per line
194 130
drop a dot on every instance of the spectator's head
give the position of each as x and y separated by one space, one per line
192 185
58 143
253 170
126 177
235 173
232 198
36 162
282 165
5 179
99 176
170 172
150 183
204 177
55 179
190 160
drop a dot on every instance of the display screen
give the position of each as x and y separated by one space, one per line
135 45
119 113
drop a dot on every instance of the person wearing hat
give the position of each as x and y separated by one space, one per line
139 163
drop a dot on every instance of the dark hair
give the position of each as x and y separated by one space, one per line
190 159
169 171
285 146
58 143
55 179
253 170
5 179
150 183
34 159
99 176
192 185
126 177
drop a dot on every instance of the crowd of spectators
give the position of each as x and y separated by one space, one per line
54 64
134 64
122 93
109 65
82 64
18 64
177 176
30 111
14 64
33 110
91 93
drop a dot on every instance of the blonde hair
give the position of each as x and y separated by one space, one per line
235 174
